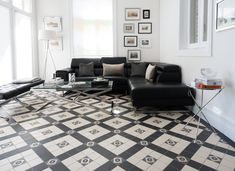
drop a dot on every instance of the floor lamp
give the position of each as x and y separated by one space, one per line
47 35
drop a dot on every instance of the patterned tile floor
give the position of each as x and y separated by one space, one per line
86 136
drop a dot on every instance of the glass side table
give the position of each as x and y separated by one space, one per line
201 105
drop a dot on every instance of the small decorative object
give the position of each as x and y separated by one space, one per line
72 77
100 78
130 41
145 43
225 14
208 73
145 28
134 55
132 14
56 44
146 14
129 28
53 23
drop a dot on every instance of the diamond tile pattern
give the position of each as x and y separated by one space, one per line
84 135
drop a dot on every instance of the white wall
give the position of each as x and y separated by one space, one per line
221 111
147 54
62 8
62 58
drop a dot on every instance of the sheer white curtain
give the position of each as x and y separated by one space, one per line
16 40
6 74
92 28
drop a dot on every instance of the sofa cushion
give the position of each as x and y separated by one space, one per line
86 69
113 69
143 89
138 69
150 72
118 80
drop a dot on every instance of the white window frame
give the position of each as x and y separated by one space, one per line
201 48
114 2
12 10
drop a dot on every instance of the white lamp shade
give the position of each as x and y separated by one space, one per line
47 35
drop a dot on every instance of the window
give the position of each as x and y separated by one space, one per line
16 40
195 27
92 28
23 46
25 5
5 46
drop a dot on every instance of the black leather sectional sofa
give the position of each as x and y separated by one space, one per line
166 90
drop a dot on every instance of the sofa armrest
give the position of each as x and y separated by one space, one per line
168 73
64 73
168 77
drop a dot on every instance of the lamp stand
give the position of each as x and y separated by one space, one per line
48 51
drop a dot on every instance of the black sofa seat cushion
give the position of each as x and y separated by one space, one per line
118 80
142 89
8 91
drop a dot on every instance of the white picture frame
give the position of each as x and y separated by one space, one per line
145 43
225 17
56 45
53 23
129 28
132 14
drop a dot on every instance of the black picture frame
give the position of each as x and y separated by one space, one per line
145 28
129 43
146 14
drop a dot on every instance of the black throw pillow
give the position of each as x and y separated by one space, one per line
138 69
86 70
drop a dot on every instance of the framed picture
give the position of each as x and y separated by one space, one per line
130 41
134 55
225 14
145 43
56 44
129 28
53 23
146 14
132 14
145 28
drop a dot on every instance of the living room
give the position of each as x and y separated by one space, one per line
49 128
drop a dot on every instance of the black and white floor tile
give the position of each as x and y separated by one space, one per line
85 135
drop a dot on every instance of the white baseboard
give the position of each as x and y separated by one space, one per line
221 123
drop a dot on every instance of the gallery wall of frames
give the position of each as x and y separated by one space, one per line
137 22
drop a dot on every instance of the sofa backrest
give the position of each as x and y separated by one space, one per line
164 73
98 63
168 73
113 60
